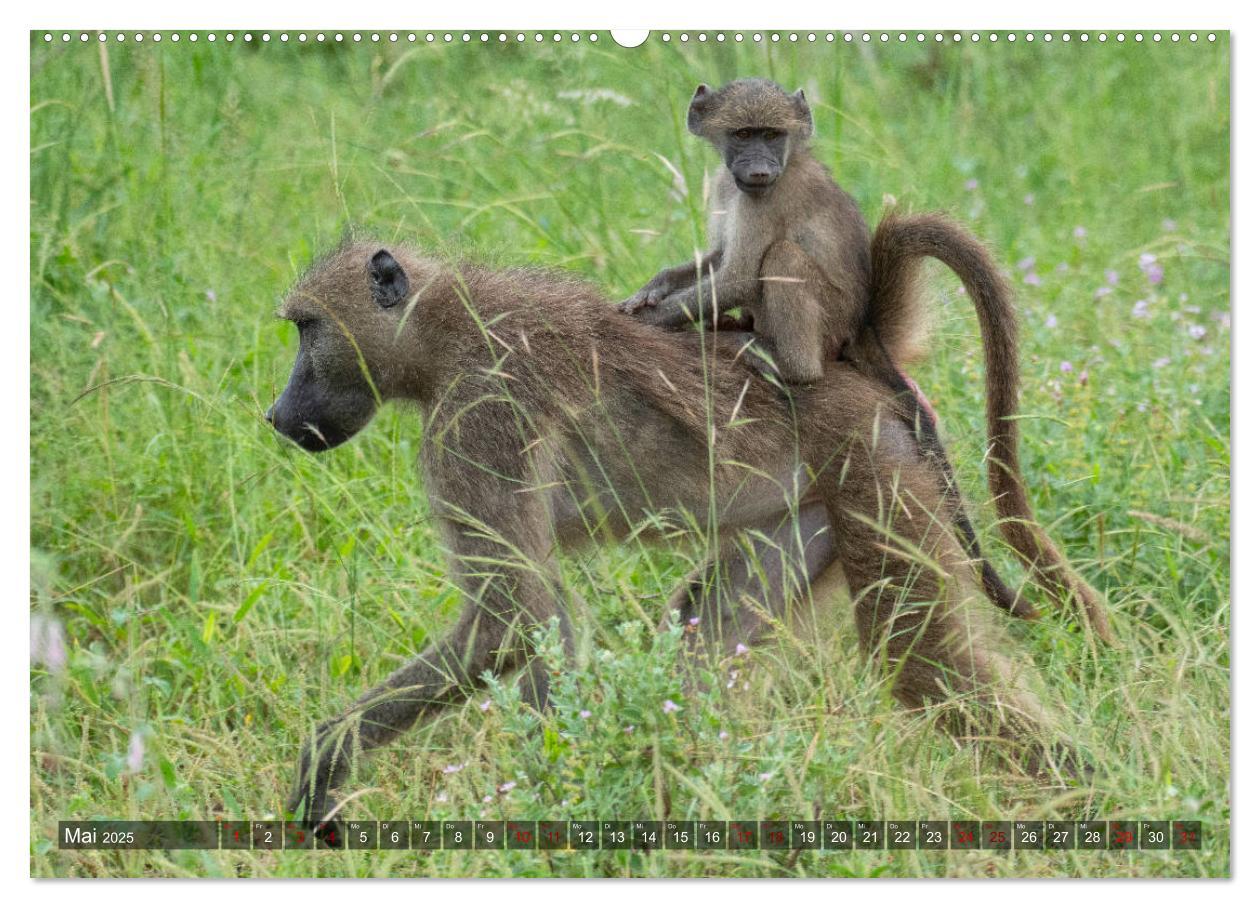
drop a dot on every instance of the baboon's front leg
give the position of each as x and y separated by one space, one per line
484 638
501 561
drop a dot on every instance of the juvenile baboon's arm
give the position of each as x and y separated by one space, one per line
669 281
715 292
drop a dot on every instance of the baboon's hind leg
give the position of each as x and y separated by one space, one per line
913 596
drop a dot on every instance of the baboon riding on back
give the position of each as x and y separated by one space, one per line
552 421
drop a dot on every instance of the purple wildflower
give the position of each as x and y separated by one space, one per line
670 707
1065 367
1161 362
971 185
135 752
452 768
485 706
694 621
1080 233
1155 274
48 645
1196 331
740 649
1032 279
1141 309
1112 276
506 787
585 714
1052 320
1029 199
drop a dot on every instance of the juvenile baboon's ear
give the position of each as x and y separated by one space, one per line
802 111
389 281
701 107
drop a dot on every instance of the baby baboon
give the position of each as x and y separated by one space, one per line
542 407
788 245
790 248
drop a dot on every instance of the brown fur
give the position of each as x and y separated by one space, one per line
551 422
901 242
796 257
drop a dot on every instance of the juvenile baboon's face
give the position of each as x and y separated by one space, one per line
753 124
348 311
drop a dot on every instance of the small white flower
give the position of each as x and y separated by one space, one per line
765 776
506 787
1080 233
722 736
485 707
452 768
1196 331
740 649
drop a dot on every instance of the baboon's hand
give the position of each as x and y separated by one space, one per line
648 297
320 768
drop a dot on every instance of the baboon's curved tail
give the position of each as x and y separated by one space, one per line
900 242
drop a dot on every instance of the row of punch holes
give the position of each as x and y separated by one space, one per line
629 41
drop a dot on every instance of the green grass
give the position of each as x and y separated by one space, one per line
218 589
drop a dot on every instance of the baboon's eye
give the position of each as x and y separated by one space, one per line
769 134
744 133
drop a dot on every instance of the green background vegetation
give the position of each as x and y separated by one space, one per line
218 588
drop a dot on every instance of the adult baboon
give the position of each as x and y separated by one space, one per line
551 421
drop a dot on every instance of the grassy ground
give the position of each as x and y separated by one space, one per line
215 588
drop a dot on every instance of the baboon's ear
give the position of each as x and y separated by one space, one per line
389 281
802 111
701 106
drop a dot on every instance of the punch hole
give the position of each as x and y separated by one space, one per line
629 37
174 37
1176 37
683 38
